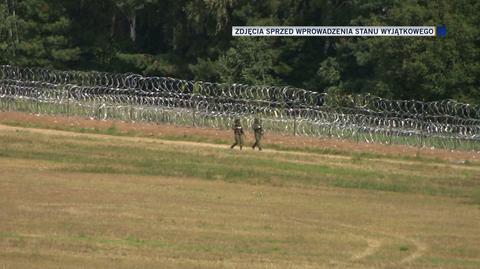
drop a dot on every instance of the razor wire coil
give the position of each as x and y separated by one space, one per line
131 96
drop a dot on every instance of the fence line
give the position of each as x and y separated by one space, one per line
131 97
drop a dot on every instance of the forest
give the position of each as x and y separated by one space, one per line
192 39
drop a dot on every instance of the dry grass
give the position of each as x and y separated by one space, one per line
113 202
171 132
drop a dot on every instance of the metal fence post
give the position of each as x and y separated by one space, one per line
357 135
422 126
194 118
421 135
130 109
38 103
294 125
68 103
390 133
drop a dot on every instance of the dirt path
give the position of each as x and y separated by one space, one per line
373 245
219 146
163 130
374 241
420 247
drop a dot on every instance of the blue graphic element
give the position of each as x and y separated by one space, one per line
442 30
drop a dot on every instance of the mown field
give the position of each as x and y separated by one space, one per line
76 200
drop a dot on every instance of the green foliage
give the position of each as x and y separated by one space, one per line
192 40
328 76
207 70
148 64
214 13
419 68
36 34
250 61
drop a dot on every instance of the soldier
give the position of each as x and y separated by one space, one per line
257 128
238 132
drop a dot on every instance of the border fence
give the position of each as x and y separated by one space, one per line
131 97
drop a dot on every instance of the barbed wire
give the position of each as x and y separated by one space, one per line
283 109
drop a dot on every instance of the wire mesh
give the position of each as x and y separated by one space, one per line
131 97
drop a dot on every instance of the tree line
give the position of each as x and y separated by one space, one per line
191 39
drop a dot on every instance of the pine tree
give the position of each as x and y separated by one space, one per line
36 34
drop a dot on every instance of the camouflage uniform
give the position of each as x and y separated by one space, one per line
239 134
257 128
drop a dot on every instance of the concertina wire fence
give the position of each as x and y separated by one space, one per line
131 97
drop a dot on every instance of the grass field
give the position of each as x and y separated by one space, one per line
76 200
271 123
